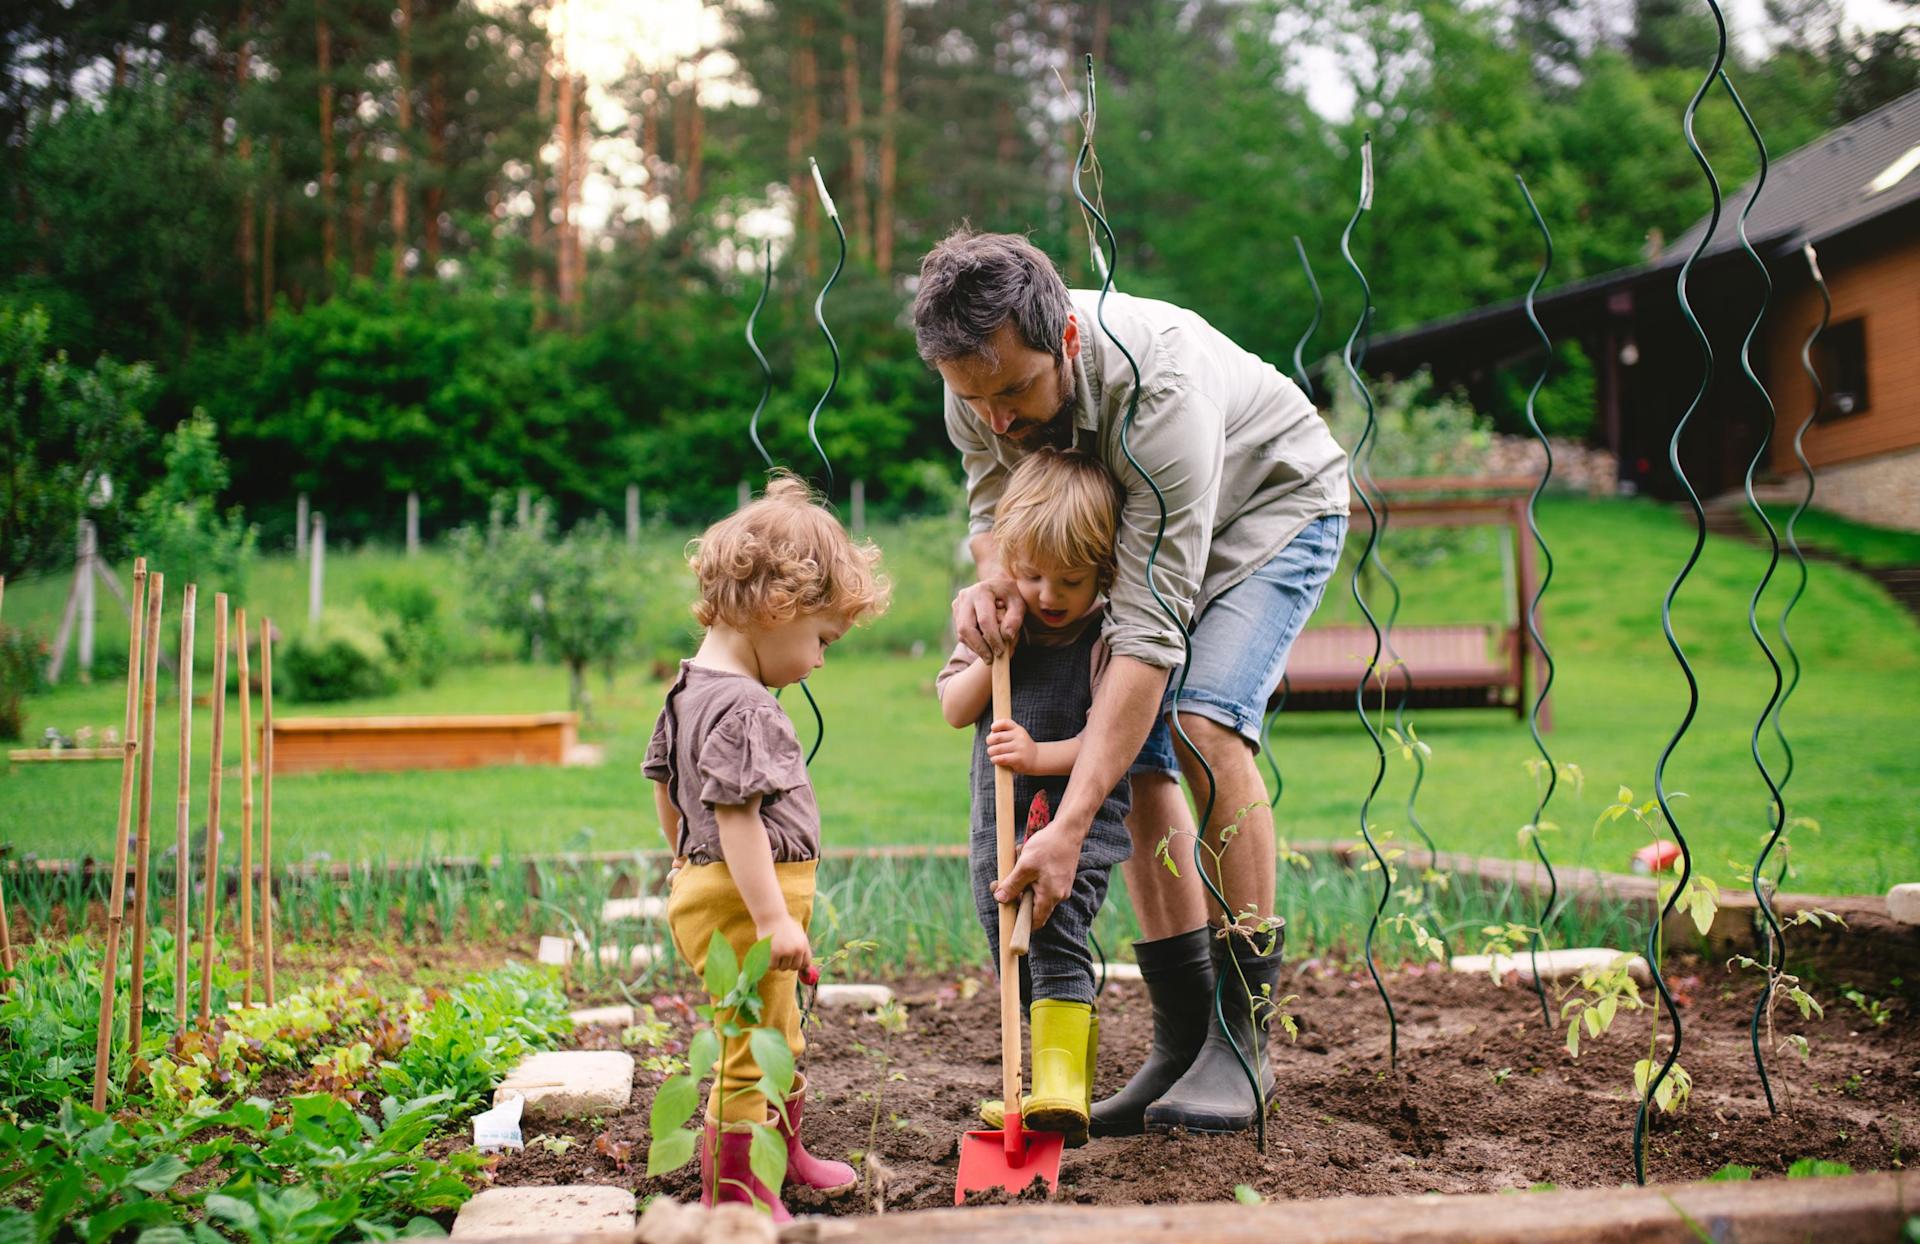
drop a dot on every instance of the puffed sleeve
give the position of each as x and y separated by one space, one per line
752 751
659 762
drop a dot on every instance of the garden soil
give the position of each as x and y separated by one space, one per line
1484 1097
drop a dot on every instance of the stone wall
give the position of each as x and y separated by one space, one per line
1883 490
1577 467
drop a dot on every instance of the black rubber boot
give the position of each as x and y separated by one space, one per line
1214 1095
1178 973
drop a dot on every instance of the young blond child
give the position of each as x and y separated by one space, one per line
780 580
1054 533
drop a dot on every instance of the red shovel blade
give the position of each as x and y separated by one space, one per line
1009 1158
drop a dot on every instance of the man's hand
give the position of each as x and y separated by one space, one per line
987 616
791 950
1011 747
1047 863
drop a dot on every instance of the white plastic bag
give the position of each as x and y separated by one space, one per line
499 1128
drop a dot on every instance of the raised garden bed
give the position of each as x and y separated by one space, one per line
313 744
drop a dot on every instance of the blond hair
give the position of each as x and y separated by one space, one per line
782 556
1060 509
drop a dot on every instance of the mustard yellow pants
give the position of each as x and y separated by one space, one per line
705 901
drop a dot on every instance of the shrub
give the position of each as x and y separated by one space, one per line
410 627
345 660
22 672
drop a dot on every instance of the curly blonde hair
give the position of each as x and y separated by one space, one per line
782 556
1061 509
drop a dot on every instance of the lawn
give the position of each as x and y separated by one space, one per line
891 772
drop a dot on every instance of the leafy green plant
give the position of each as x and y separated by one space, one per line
733 984
891 1018
1876 1010
1598 996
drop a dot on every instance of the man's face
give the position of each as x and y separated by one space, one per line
1024 395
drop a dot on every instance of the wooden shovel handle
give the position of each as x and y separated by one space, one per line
1023 925
1009 960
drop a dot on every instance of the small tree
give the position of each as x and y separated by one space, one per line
576 596
177 524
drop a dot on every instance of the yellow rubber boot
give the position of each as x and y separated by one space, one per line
1062 1035
993 1114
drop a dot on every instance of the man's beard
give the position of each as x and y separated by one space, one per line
1057 431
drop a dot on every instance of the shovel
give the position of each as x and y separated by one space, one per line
1010 1158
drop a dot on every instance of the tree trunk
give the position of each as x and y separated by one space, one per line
244 242
329 241
694 159
564 224
856 139
537 227
436 193
403 101
357 194
803 137
266 245
889 118
582 140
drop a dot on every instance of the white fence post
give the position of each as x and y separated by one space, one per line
413 524
300 521
524 509
633 516
859 507
745 495
316 568
87 570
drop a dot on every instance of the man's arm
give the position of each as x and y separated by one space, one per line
1123 711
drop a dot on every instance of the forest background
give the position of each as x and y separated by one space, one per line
358 236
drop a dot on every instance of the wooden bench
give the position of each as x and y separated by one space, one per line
312 744
1462 665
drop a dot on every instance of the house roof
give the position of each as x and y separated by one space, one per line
1846 177
1849 176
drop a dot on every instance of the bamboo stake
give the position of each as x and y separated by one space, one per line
143 841
183 843
109 961
6 933
266 800
246 810
211 845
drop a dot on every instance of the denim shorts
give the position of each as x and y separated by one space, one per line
1241 641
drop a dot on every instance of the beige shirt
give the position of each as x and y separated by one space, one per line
720 740
1241 456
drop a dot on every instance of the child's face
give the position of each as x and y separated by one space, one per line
1057 596
789 651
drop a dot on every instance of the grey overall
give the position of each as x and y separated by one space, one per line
1052 693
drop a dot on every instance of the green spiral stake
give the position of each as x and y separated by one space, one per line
1776 951
1660 1073
820 318
1793 541
1305 382
766 368
1108 249
1356 476
1533 607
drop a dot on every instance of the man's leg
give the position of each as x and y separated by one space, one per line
1166 905
1245 873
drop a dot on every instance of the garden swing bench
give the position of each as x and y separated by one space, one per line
1460 665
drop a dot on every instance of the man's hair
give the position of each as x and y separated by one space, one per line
1060 510
782 556
972 283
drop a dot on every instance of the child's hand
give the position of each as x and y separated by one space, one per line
791 950
1010 746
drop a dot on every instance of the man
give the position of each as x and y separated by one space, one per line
1255 495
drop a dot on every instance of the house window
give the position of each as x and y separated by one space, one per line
1840 356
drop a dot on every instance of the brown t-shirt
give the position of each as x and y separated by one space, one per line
722 739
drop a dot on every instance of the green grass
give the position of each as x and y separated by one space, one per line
892 772
1864 543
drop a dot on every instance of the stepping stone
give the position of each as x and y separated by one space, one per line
1903 902
1123 971
852 997
546 1213
555 951
603 1017
573 1084
646 907
637 956
1554 964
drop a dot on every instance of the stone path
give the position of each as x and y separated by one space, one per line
553 1213
1553 963
573 1084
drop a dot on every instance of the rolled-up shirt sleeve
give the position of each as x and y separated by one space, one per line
1178 437
986 475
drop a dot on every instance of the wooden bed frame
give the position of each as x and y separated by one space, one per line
312 744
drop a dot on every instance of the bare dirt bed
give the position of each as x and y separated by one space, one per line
1484 1098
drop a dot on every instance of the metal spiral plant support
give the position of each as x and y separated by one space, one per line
1110 250
1533 606
1305 382
766 368
1776 941
1793 540
1355 479
820 318
1659 1076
